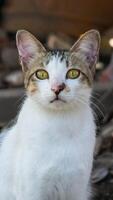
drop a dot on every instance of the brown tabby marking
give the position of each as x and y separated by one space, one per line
77 60
32 86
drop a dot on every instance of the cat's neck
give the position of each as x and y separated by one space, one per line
38 120
32 112
31 108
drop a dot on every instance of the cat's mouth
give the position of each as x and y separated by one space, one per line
57 99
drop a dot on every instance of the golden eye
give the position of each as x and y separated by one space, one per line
42 74
73 74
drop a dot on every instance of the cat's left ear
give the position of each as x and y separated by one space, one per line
87 47
28 48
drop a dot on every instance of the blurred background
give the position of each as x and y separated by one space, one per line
58 24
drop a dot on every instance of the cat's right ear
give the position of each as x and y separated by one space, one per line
28 48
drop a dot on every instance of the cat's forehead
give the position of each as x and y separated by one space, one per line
58 56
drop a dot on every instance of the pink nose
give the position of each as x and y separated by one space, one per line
58 88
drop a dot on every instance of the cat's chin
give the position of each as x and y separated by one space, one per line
54 105
57 105
57 101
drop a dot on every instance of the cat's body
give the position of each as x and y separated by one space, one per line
48 153
49 157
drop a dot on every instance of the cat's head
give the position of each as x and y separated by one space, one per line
58 79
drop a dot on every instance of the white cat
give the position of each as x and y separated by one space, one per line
48 153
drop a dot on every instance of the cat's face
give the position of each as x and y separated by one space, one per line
58 79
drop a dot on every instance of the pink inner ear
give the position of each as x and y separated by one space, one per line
91 57
90 53
25 52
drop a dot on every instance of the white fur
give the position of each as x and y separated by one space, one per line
48 153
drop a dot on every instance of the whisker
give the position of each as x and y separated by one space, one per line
97 113
96 106
98 101
96 93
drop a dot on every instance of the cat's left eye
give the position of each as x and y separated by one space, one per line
73 74
42 74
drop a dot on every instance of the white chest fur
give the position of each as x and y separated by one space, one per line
51 155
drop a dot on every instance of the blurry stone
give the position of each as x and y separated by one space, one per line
103 166
111 181
9 56
14 78
107 137
107 130
59 41
105 159
99 174
111 172
107 144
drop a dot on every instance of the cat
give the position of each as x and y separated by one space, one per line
48 153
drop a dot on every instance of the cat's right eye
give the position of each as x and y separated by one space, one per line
42 74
